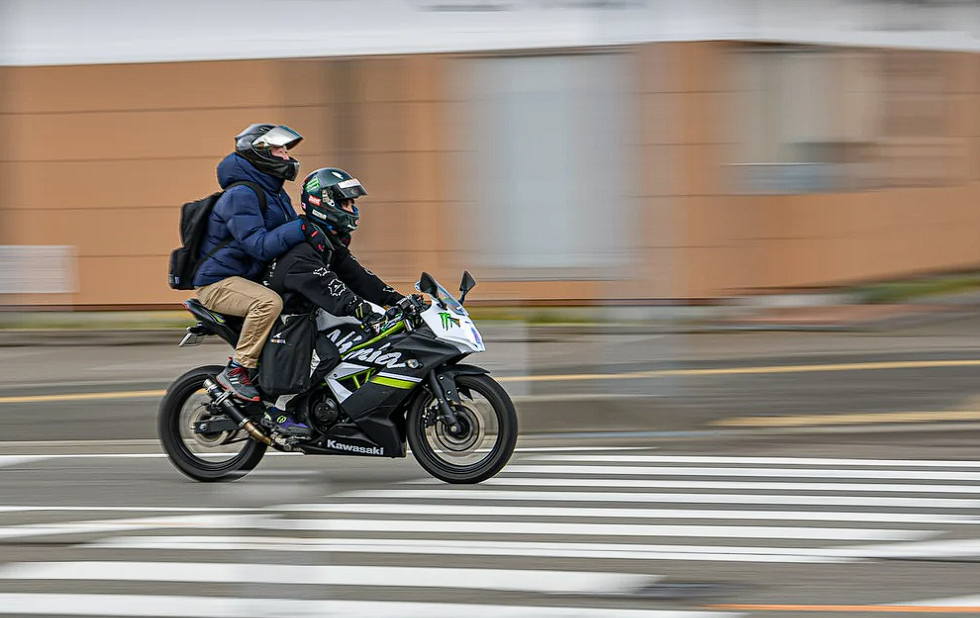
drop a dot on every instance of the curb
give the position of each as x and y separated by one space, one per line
913 314
90 337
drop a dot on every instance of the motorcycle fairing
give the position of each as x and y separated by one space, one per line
385 382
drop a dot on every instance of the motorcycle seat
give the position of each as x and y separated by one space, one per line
228 327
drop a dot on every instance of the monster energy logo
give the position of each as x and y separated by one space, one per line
448 320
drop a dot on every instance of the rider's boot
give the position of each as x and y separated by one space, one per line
237 379
283 423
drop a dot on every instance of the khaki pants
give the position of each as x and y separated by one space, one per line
259 305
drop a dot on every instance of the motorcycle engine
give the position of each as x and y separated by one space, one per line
323 411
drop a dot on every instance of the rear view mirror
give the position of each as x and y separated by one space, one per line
427 285
467 284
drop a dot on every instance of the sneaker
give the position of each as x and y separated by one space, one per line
286 425
237 380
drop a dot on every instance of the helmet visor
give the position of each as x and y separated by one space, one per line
278 136
351 188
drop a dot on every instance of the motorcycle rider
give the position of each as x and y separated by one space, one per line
324 273
241 240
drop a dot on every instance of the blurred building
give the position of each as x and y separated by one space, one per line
570 151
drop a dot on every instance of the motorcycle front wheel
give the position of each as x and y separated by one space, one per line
206 457
482 442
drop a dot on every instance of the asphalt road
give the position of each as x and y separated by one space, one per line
810 525
656 479
563 382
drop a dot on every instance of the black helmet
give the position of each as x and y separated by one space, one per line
322 190
255 142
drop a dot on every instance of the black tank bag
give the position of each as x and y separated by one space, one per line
286 363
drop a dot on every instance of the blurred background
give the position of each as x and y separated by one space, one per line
565 151
719 247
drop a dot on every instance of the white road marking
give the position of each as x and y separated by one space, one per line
970 601
526 511
548 582
116 525
956 548
821 473
729 485
787 461
15 460
490 495
98 455
623 551
582 449
233 607
551 528
132 455
125 509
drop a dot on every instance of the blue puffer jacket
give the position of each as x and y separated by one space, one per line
256 241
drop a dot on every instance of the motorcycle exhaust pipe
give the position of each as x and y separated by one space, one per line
223 399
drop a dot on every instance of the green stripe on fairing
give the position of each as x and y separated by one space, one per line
392 382
391 331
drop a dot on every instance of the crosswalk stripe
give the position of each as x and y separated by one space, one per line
370 527
116 525
122 509
20 604
549 582
550 528
617 551
968 601
490 495
787 461
523 511
754 472
730 485
16 460
956 548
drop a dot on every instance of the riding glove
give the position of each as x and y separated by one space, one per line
314 236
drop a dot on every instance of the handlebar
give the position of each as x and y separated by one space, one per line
411 305
408 308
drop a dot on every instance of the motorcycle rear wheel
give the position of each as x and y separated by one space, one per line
482 444
182 406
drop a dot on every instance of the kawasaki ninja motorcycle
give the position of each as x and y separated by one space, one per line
404 384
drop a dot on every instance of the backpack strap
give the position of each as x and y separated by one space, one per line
263 206
254 186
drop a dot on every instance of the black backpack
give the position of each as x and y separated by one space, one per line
193 226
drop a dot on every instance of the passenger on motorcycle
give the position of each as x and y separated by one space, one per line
324 273
241 239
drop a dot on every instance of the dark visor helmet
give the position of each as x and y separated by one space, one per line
322 190
255 142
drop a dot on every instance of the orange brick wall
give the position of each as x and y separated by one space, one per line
101 157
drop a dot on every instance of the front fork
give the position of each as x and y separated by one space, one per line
444 393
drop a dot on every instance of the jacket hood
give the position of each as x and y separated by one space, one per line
234 168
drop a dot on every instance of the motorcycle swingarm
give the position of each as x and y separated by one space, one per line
215 425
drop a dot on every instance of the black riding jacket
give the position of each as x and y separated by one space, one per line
333 281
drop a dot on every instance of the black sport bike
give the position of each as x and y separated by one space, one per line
405 384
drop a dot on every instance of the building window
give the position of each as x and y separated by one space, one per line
811 120
545 163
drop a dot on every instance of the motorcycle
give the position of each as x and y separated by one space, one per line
405 384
